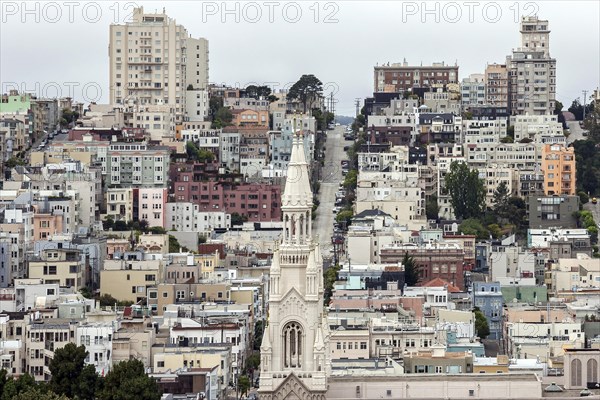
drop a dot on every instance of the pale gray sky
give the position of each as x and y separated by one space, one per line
53 47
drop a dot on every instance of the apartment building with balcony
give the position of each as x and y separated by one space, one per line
496 83
58 266
552 211
43 337
187 217
190 357
437 361
231 331
472 90
532 72
559 170
157 121
440 127
442 101
483 131
259 202
136 164
536 127
543 339
153 60
97 337
401 77
119 204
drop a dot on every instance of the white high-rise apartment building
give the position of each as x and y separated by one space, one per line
153 61
531 70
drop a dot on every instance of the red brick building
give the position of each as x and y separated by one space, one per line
441 261
198 183
400 77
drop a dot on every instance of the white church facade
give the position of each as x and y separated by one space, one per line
294 350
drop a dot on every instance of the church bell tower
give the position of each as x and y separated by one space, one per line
294 351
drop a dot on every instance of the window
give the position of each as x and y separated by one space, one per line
160 364
292 345
363 345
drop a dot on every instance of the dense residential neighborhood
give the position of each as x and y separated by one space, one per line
200 240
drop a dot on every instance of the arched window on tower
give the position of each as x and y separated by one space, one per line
592 370
292 345
576 372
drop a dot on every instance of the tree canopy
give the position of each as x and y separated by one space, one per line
411 271
306 90
466 190
70 376
481 325
128 380
257 92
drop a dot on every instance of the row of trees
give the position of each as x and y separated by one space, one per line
73 379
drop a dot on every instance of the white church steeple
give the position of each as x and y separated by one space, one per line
294 353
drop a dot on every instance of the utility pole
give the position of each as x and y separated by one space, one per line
357 103
584 100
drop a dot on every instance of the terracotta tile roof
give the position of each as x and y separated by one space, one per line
436 282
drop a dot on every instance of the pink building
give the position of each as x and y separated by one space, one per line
150 205
46 225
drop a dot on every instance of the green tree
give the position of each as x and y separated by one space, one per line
214 104
350 180
473 226
412 274
307 89
257 92
243 384
11 388
507 139
432 208
69 374
35 393
259 329
583 197
500 199
466 190
68 117
128 381
14 161
517 212
330 275
157 230
481 325
238 219
86 292
106 300
253 362
174 246
223 118
494 230
344 216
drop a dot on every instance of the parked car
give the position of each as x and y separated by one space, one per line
594 200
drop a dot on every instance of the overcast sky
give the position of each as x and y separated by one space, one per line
55 47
